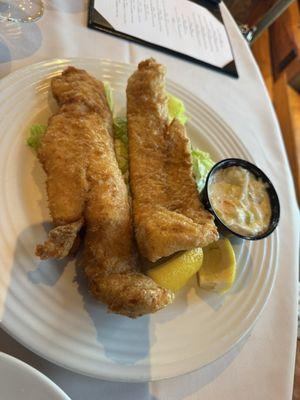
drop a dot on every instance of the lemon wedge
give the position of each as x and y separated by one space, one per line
175 273
219 267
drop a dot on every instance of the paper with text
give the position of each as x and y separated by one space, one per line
178 25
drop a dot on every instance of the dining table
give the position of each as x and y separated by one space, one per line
261 365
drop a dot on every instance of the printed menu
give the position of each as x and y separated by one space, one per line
183 27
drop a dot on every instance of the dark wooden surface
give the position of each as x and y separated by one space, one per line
282 78
283 41
248 11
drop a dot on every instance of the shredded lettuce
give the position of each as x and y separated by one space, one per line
202 164
121 151
121 143
109 95
37 131
176 109
120 129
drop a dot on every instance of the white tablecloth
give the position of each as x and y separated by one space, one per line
261 367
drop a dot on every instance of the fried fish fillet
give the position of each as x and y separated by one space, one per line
85 187
168 215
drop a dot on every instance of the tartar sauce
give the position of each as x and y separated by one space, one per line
240 200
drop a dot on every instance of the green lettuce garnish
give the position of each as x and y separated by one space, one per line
202 164
37 131
120 129
109 95
121 151
121 143
176 109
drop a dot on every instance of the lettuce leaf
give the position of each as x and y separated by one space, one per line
37 131
121 151
176 109
202 164
109 95
120 129
121 143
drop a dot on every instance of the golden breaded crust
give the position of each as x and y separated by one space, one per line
60 241
84 183
168 214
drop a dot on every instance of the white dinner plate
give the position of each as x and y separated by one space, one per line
19 381
46 305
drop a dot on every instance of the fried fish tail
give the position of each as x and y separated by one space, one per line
132 294
61 241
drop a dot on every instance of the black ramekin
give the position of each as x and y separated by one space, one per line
274 201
